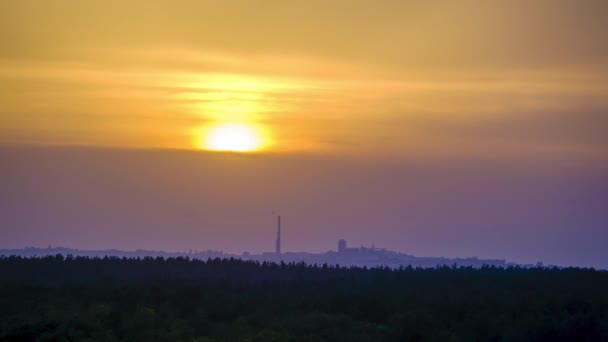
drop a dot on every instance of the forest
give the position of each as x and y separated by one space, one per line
65 298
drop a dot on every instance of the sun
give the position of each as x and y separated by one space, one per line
234 137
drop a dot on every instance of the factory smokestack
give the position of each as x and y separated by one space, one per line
278 243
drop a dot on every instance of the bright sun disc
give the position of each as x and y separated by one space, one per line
234 138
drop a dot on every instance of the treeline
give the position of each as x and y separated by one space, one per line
60 298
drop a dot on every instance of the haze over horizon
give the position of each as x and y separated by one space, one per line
435 128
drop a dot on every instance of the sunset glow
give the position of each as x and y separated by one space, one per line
234 137
453 128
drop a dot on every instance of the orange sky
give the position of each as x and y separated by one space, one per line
442 128
356 78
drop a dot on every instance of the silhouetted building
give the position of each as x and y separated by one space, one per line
358 256
341 245
278 242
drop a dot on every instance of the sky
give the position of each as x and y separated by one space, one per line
444 128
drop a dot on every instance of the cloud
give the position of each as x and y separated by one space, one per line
358 78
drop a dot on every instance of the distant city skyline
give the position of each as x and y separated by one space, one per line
346 257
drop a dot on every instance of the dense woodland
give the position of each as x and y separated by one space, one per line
154 299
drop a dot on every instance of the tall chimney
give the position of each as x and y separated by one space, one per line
278 243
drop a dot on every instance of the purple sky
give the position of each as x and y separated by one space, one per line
522 210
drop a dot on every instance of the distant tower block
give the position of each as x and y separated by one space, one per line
278 243
341 245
